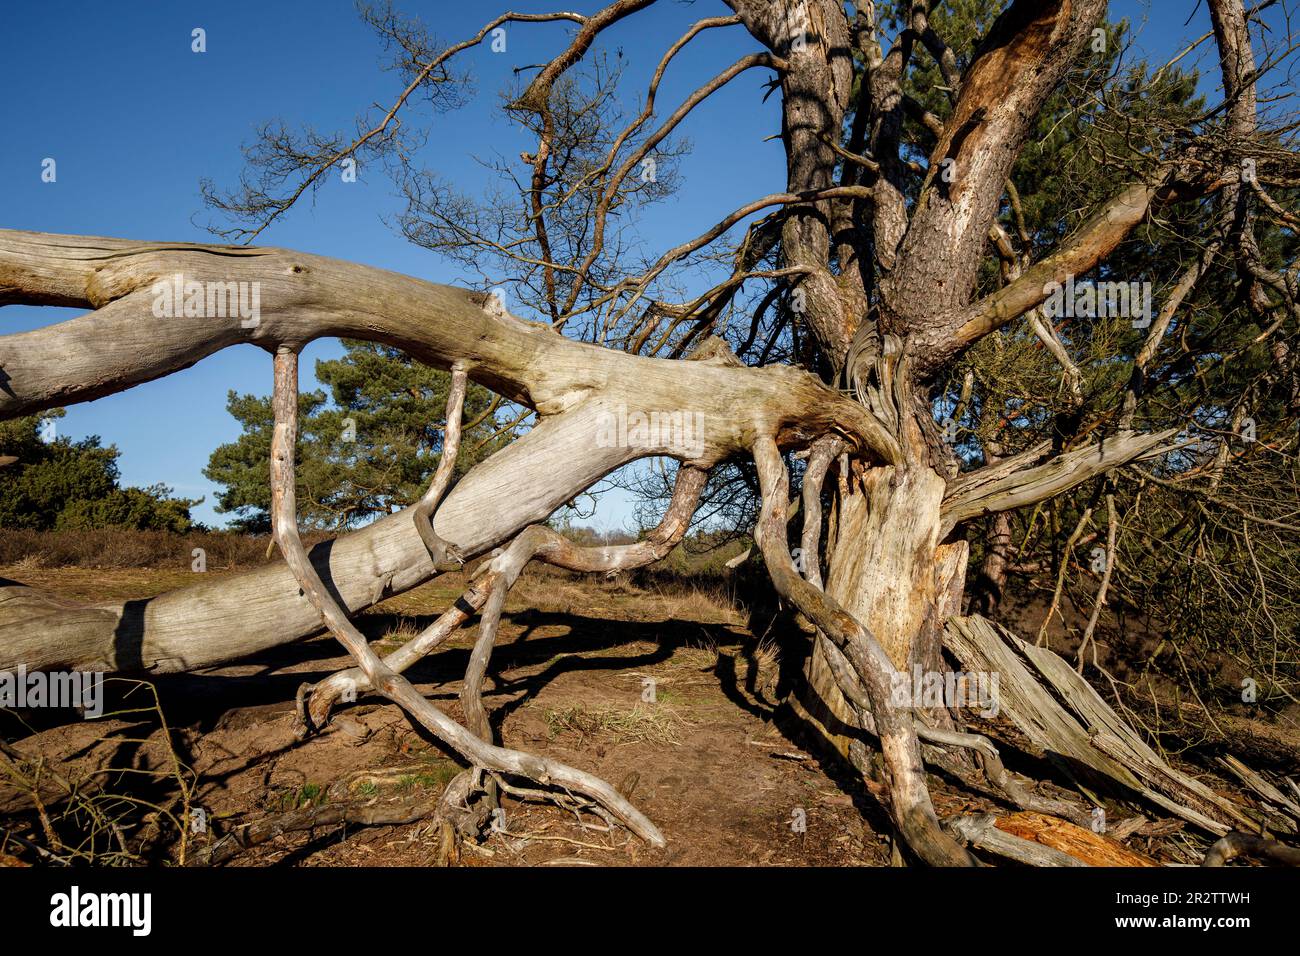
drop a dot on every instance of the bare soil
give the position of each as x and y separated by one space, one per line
703 759
711 758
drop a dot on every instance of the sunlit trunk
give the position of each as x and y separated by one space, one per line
889 570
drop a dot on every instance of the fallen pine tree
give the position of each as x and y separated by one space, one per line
891 272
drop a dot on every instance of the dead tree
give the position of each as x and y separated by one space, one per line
889 302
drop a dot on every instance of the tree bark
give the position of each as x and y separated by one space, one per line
575 388
884 572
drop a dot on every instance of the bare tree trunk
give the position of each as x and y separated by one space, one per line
884 571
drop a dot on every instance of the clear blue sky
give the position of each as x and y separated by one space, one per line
134 120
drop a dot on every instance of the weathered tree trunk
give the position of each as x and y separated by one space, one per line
884 571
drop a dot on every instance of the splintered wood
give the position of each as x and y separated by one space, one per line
1036 839
1062 715
1084 845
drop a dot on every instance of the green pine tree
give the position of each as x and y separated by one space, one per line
62 485
367 448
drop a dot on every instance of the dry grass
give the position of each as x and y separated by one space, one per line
548 592
395 637
134 549
695 602
97 818
654 724
661 596
766 655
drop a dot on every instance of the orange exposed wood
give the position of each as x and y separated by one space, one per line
1092 848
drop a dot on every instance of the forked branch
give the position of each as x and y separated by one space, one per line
1020 480
384 679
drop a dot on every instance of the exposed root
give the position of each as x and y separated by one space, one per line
471 692
1237 844
369 813
342 808
998 775
534 542
823 452
353 681
999 779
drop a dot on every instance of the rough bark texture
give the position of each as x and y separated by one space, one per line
1022 60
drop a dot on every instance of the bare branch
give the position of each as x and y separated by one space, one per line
1017 481
388 682
423 510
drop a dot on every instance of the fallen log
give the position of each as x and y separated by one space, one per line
1094 849
1036 839
982 833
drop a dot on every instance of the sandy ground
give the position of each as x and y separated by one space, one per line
711 759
